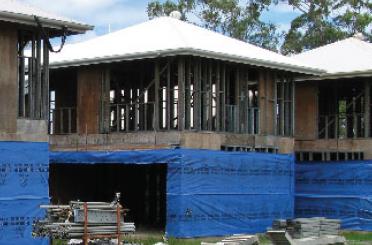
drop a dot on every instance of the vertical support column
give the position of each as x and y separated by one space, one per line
38 78
237 123
367 109
210 95
275 101
262 90
197 91
169 101
31 79
181 94
156 99
223 104
282 105
45 82
105 101
293 121
188 95
355 119
21 79
218 97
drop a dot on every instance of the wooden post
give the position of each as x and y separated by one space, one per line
32 78
38 100
237 101
21 85
223 104
156 99
181 94
169 101
218 97
204 96
188 95
282 105
45 82
210 95
275 101
293 107
197 88
355 120
367 109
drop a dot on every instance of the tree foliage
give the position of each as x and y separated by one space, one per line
320 21
325 21
234 18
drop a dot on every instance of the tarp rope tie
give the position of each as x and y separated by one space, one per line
46 37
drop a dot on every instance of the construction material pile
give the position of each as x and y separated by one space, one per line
317 230
238 239
82 219
308 227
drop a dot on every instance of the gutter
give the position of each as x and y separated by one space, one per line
73 27
337 75
188 51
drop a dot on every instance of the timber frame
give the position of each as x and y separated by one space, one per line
176 93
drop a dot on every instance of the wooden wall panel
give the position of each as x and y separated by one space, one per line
266 102
88 99
8 79
306 111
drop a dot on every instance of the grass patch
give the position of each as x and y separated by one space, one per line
357 236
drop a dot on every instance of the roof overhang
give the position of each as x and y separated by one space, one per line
72 27
187 51
337 75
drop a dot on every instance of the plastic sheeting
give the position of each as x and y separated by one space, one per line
212 193
23 187
336 190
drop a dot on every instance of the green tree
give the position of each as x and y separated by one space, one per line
157 9
234 18
325 21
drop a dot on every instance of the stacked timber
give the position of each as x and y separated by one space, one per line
317 230
238 239
83 219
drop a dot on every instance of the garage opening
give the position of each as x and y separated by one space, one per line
142 188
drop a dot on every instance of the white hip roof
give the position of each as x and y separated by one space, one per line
14 11
348 57
166 36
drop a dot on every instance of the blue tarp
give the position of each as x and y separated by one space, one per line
336 190
24 169
212 193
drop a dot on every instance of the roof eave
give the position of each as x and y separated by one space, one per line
337 75
189 51
73 27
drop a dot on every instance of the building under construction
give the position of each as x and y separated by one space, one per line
118 107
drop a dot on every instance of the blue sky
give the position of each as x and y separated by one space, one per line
119 14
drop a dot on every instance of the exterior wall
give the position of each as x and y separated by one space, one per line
340 145
145 140
8 79
88 99
266 90
306 111
13 128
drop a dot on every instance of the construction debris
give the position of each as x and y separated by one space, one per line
306 231
238 239
83 220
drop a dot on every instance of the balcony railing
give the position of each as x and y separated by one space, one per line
140 117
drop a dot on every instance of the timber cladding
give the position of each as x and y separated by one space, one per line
306 111
8 79
88 99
